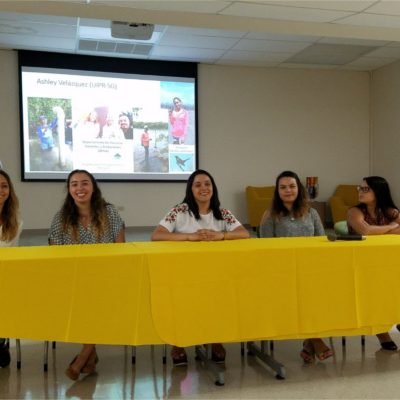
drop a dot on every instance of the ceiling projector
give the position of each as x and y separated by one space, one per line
131 30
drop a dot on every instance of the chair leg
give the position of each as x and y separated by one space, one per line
54 345
164 358
344 341
242 349
45 356
133 355
363 340
18 347
271 345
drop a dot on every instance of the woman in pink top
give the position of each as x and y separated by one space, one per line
179 120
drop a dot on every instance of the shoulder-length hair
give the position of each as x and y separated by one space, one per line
98 211
383 196
300 205
9 213
191 202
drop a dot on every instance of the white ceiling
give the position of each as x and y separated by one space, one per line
357 35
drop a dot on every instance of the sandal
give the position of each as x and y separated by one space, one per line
307 353
90 365
179 356
218 353
72 373
322 351
325 354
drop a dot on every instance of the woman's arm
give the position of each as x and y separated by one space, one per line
267 226
238 233
355 219
162 233
121 236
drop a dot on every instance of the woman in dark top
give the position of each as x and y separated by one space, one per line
376 214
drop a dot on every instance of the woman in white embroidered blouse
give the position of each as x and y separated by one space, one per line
199 218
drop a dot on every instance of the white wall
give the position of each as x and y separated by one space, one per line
253 123
385 126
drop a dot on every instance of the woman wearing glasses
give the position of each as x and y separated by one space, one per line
291 216
376 214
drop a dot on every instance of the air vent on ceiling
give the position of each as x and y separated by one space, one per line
115 47
131 30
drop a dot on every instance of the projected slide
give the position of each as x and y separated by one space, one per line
118 126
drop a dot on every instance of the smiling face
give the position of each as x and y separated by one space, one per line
4 190
80 188
288 190
123 122
202 189
177 104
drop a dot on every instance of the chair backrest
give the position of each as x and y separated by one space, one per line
259 199
345 196
348 193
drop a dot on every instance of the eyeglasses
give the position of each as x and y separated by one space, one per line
363 189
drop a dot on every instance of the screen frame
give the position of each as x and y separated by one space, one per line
64 61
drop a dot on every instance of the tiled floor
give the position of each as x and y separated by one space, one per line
353 373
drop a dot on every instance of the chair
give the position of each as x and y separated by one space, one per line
259 199
345 196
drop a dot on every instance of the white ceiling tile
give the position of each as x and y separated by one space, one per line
389 52
289 38
306 66
270 45
204 42
342 5
390 7
283 13
371 20
38 42
262 64
255 56
205 32
211 7
370 62
350 41
186 52
31 29
44 19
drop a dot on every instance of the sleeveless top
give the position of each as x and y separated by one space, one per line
379 219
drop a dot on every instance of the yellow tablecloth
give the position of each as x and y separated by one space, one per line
190 293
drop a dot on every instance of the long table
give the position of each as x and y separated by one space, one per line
190 293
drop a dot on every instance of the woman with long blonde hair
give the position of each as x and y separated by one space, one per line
10 230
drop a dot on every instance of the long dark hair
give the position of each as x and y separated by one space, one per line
191 202
300 205
69 210
9 213
384 201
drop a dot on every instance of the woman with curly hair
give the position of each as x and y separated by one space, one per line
10 230
85 218
291 216
199 218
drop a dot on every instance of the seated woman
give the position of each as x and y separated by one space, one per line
376 214
291 216
85 218
199 218
10 230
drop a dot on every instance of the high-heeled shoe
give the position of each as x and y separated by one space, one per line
390 345
72 373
